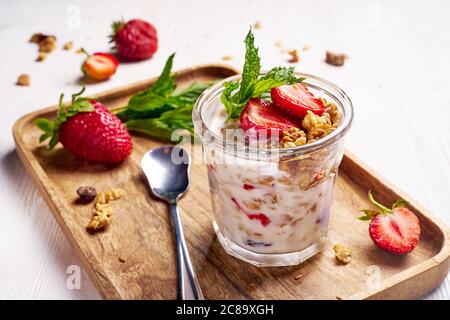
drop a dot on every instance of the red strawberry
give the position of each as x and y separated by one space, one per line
261 217
88 130
296 100
100 66
261 116
135 40
396 230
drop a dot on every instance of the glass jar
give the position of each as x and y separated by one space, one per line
271 206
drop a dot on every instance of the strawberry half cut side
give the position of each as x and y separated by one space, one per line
396 230
296 100
262 117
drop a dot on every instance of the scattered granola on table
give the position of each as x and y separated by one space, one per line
46 43
122 259
257 25
342 253
23 80
294 56
41 56
278 44
102 215
68 45
335 59
227 58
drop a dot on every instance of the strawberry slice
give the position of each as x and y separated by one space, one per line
260 115
100 66
296 100
261 217
396 230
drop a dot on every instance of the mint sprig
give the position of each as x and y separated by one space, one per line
369 214
160 109
51 128
237 93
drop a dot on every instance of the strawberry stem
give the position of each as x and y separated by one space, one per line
378 205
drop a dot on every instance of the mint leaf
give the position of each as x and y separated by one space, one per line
252 66
236 94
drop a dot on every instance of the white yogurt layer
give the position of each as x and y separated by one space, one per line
267 207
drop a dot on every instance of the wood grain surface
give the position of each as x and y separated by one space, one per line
141 228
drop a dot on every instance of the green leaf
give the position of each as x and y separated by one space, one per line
155 97
44 124
400 203
274 78
364 218
236 94
378 205
252 66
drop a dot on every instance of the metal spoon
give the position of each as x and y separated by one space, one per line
166 169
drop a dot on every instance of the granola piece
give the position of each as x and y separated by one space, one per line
306 48
335 59
317 126
41 56
293 137
227 58
105 197
339 298
46 43
266 181
342 253
278 44
23 80
332 110
257 25
87 194
68 45
298 277
101 218
122 259
294 56
80 51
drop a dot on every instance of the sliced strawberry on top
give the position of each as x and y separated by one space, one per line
396 230
100 66
260 115
296 100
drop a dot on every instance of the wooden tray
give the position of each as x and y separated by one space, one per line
141 230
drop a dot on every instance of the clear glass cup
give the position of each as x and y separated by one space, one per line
271 206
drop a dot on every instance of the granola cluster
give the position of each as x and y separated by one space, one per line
102 210
314 127
342 253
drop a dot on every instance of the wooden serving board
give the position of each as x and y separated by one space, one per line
141 229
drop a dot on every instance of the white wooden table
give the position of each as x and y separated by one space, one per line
397 77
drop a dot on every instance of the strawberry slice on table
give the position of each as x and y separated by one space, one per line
261 116
396 230
100 66
134 40
296 100
88 130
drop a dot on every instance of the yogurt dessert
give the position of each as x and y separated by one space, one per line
272 143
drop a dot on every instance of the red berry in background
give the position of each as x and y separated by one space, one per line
100 66
98 136
296 100
260 115
134 40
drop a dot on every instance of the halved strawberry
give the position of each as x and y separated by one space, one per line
396 230
100 66
296 100
260 115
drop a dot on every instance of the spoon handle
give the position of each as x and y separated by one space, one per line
188 286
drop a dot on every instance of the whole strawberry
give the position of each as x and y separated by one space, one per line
88 130
396 230
135 40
